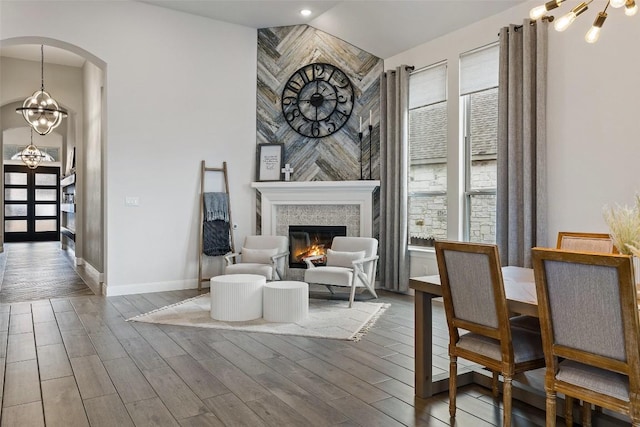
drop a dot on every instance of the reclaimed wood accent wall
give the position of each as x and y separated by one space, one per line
282 51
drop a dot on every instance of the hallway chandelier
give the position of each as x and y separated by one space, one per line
40 110
31 155
592 36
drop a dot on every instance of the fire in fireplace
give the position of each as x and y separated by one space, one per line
309 240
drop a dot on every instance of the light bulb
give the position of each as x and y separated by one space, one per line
617 3
630 8
564 21
537 12
593 34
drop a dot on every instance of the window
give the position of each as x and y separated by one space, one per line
479 115
428 155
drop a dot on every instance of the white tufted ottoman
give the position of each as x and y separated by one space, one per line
285 301
236 297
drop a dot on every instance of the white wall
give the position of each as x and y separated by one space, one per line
179 89
593 141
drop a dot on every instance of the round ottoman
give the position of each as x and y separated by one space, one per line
285 301
236 297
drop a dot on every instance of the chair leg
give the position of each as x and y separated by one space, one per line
506 399
634 410
568 410
453 373
494 384
551 408
353 294
586 414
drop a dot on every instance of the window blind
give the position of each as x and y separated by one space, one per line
479 69
428 86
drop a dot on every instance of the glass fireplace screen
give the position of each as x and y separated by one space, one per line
308 240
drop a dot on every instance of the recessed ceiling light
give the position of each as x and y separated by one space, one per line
305 12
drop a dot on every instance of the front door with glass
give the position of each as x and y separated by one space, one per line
31 203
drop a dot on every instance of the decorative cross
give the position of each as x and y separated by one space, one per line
287 170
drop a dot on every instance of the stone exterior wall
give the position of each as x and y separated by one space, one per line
428 168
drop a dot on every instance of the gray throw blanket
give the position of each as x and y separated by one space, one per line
216 238
215 229
216 206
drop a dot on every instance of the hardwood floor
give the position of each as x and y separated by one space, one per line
38 270
76 361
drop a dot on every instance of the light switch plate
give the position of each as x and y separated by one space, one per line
132 201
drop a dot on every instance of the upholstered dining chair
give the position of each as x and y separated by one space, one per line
589 318
475 301
351 262
263 255
586 242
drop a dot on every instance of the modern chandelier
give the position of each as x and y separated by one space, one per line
592 36
31 155
40 110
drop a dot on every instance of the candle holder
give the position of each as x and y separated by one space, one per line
370 149
361 170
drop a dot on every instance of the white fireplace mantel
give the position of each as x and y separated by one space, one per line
316 193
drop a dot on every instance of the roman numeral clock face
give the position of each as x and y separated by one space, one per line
317 100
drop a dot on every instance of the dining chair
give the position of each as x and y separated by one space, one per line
572 241
475 301
263 255
586 242
589 319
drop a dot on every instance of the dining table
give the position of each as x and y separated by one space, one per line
520 290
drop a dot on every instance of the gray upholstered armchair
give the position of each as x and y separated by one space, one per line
351 262
264 255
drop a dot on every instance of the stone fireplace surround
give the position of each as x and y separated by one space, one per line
347 203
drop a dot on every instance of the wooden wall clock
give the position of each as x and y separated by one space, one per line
317 100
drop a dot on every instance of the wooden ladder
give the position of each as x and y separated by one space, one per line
203 170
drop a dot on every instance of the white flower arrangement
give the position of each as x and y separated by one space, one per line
624 227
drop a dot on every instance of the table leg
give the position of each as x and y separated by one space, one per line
423 338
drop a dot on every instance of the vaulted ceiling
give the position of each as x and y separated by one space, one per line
381 27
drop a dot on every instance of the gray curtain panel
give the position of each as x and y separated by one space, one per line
522 189
394 145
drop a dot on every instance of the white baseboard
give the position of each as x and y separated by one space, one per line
144 288
93 272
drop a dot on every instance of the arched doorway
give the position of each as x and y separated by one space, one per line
76 79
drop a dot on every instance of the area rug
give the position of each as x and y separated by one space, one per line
327 319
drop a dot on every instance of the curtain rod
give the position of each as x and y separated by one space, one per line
549 18
406 67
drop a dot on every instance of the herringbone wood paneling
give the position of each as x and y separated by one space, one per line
283 50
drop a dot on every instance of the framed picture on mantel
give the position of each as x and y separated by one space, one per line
270 162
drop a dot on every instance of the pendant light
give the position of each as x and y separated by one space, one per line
562 23
31 155
40 110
